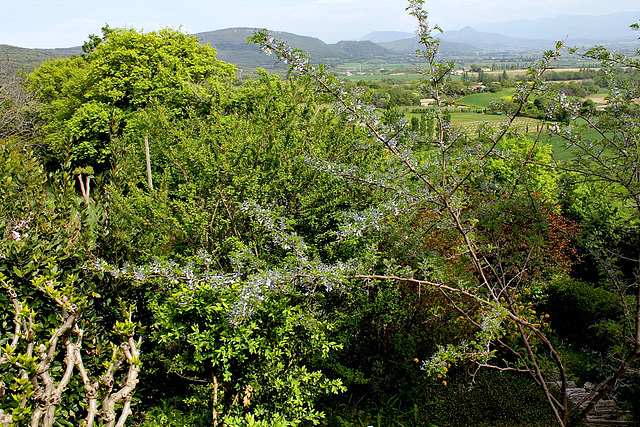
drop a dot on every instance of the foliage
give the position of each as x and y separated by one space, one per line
253 368
592 312
212 164
493 398
89 99
273 250
51 306
384 95
254 146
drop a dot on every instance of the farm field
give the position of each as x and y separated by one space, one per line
599 99
396 77
483 99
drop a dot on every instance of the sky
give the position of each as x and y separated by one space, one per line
67 23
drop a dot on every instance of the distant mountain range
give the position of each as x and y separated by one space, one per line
448 49
387 36
535 33
232 46
494 41
468 41
396 46
539 34
603 28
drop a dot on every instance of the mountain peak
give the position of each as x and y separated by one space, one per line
386 36
598 27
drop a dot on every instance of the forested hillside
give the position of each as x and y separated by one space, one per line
18 58
231 46
183 248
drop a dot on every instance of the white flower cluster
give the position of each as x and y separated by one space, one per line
18 231
250 296
281 233
169 271
358 222
294 58
298 275
439 361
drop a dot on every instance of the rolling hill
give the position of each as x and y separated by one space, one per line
19 58
232 46
447 49
393 46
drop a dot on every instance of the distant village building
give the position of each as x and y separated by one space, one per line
425 102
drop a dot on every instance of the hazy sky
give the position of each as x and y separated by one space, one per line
66 23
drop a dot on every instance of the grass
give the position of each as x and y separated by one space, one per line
483 99
559 151
464 117
470 121
461 118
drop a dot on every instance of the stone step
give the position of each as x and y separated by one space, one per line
605 413
590 422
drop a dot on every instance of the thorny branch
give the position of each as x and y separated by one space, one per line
443 197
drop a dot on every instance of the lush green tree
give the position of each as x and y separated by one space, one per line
214 165
214 148
256 359
89 100
456 87
256 146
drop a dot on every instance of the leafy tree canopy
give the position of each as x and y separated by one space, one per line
89 99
